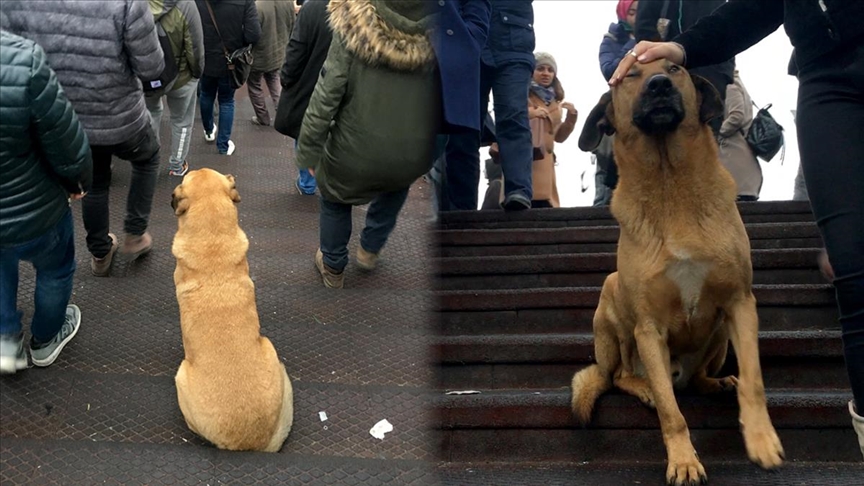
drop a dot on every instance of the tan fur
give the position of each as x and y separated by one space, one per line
231 387
683 285
368 36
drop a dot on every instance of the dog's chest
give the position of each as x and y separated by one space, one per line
689 275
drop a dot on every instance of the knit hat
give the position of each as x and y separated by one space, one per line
541 58
623 7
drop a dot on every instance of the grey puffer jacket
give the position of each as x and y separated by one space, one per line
44 155
98 50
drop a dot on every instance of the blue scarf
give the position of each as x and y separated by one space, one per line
545 94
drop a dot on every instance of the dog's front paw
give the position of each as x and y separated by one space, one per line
764 447
685 471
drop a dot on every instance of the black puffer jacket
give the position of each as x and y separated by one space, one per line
739 24
239 26
304 58
44 153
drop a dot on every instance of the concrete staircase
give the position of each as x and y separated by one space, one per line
516 295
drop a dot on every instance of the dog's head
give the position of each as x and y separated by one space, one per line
203 184
654 99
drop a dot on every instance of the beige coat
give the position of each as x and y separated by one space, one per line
735 153
557 129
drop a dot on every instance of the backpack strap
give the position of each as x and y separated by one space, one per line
213 18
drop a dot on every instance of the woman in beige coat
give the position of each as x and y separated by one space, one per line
546 105
735 153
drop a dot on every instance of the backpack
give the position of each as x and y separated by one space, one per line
158 86
765 136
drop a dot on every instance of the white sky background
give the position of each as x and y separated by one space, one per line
572 31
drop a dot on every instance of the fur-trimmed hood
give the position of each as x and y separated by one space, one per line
378 34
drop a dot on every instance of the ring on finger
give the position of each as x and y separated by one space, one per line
633 53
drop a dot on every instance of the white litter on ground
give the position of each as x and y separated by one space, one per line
380 429
322 416
463 392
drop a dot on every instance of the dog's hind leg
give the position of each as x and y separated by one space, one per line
703 381
286 417
181 380
636 386
591 382
760 438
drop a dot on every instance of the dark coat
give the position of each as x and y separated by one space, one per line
613 48
511 33
371 123
459 37
741 24
277 22
719 74
44 153
239 26
304 58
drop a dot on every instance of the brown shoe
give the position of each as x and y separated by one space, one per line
332 279
366 260
135 246
101 267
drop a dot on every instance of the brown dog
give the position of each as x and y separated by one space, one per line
683 285
232 389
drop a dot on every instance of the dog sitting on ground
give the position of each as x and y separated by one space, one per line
683 285
231 387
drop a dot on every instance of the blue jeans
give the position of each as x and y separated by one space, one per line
305 180
335 226
509 83
830 117
53 256
210 87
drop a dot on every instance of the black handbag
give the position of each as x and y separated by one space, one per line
765 136
239 61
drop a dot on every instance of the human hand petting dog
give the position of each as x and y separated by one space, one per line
645 52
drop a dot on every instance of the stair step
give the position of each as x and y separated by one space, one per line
759 212
593 445
579 348
587 297
788 317
770 267
639 472
599 234
550 409
777 372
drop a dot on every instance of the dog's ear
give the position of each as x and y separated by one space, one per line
179 202
235 196
710 104
598 123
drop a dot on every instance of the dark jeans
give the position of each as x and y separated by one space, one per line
335 226
211 88
829 122
509 85
142 151
53 256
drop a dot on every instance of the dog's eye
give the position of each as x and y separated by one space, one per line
674 68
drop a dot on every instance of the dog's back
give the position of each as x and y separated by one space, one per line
231 386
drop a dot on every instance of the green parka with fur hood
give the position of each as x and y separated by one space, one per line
371 122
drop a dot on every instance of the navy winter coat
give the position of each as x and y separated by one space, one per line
461 33
613 48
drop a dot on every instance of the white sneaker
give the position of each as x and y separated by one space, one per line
231 148
210 137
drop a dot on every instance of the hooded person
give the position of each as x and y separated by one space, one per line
182 25
369 130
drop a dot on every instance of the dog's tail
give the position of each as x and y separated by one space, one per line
588 384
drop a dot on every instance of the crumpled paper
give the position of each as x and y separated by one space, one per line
380 429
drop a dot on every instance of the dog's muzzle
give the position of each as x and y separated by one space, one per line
659 108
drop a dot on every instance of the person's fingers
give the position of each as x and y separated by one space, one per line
312 172
645 52
623 67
